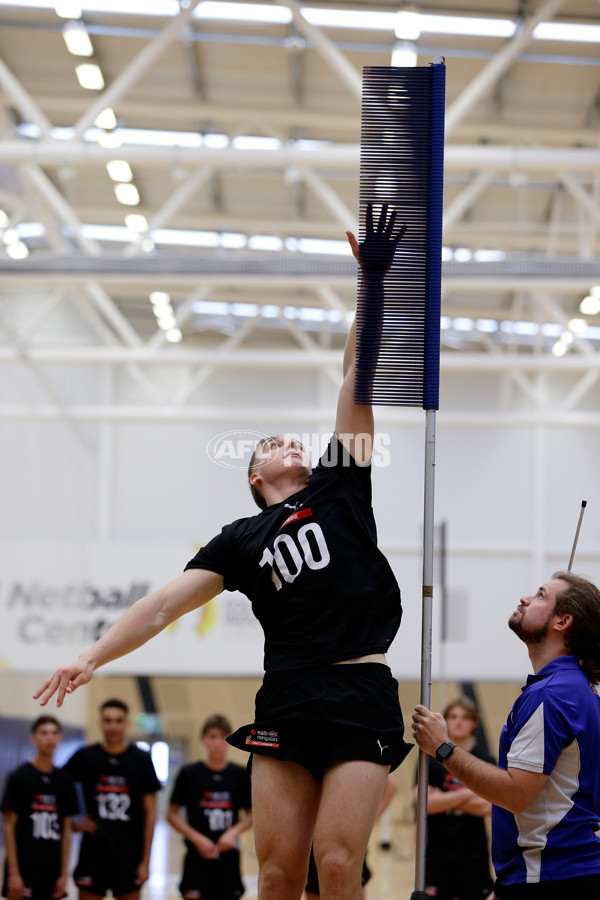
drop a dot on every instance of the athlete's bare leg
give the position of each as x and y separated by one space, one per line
285 799
88 895
350 797
132 895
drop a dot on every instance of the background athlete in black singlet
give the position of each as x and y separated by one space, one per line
39 801
119 785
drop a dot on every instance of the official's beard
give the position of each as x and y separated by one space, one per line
529 636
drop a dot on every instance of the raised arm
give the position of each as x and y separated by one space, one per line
142 621
374 255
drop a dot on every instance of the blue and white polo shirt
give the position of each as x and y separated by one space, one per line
554 728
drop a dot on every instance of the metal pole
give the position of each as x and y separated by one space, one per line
443 617
583 506
421 847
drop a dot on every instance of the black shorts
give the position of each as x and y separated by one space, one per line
312 879
211 879
316 717
586 887
100 876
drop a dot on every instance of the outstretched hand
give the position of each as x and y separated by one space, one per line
64 681
375 254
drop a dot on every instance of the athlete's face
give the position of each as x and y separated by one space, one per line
114 723
280 454
532 620
215 743
460 724
46 738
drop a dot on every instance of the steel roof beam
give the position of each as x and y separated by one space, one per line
342 157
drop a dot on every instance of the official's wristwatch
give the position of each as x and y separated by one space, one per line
444 751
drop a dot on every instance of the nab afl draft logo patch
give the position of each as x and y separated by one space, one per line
262 738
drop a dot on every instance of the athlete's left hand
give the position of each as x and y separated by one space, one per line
429 729
141 873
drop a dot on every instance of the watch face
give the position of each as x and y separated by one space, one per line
445 750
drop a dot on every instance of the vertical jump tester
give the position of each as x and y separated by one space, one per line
398 352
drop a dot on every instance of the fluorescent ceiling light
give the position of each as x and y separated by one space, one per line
466 25
127 194
17 250
463 254
350 18
108 139
106 119
245 12
590 306
215 141
161 310
551 329
119 170
30 230
185 238
527 328
210 308
463 324
158 298
251 142
136 222
67 9
577 326
487 326
408 25
10 236
244 310
265 242
165 323
89 76
565 31
233 241
77 39
404 55
489 255
107 233
316 245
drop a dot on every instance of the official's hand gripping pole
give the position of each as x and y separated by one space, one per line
398 333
